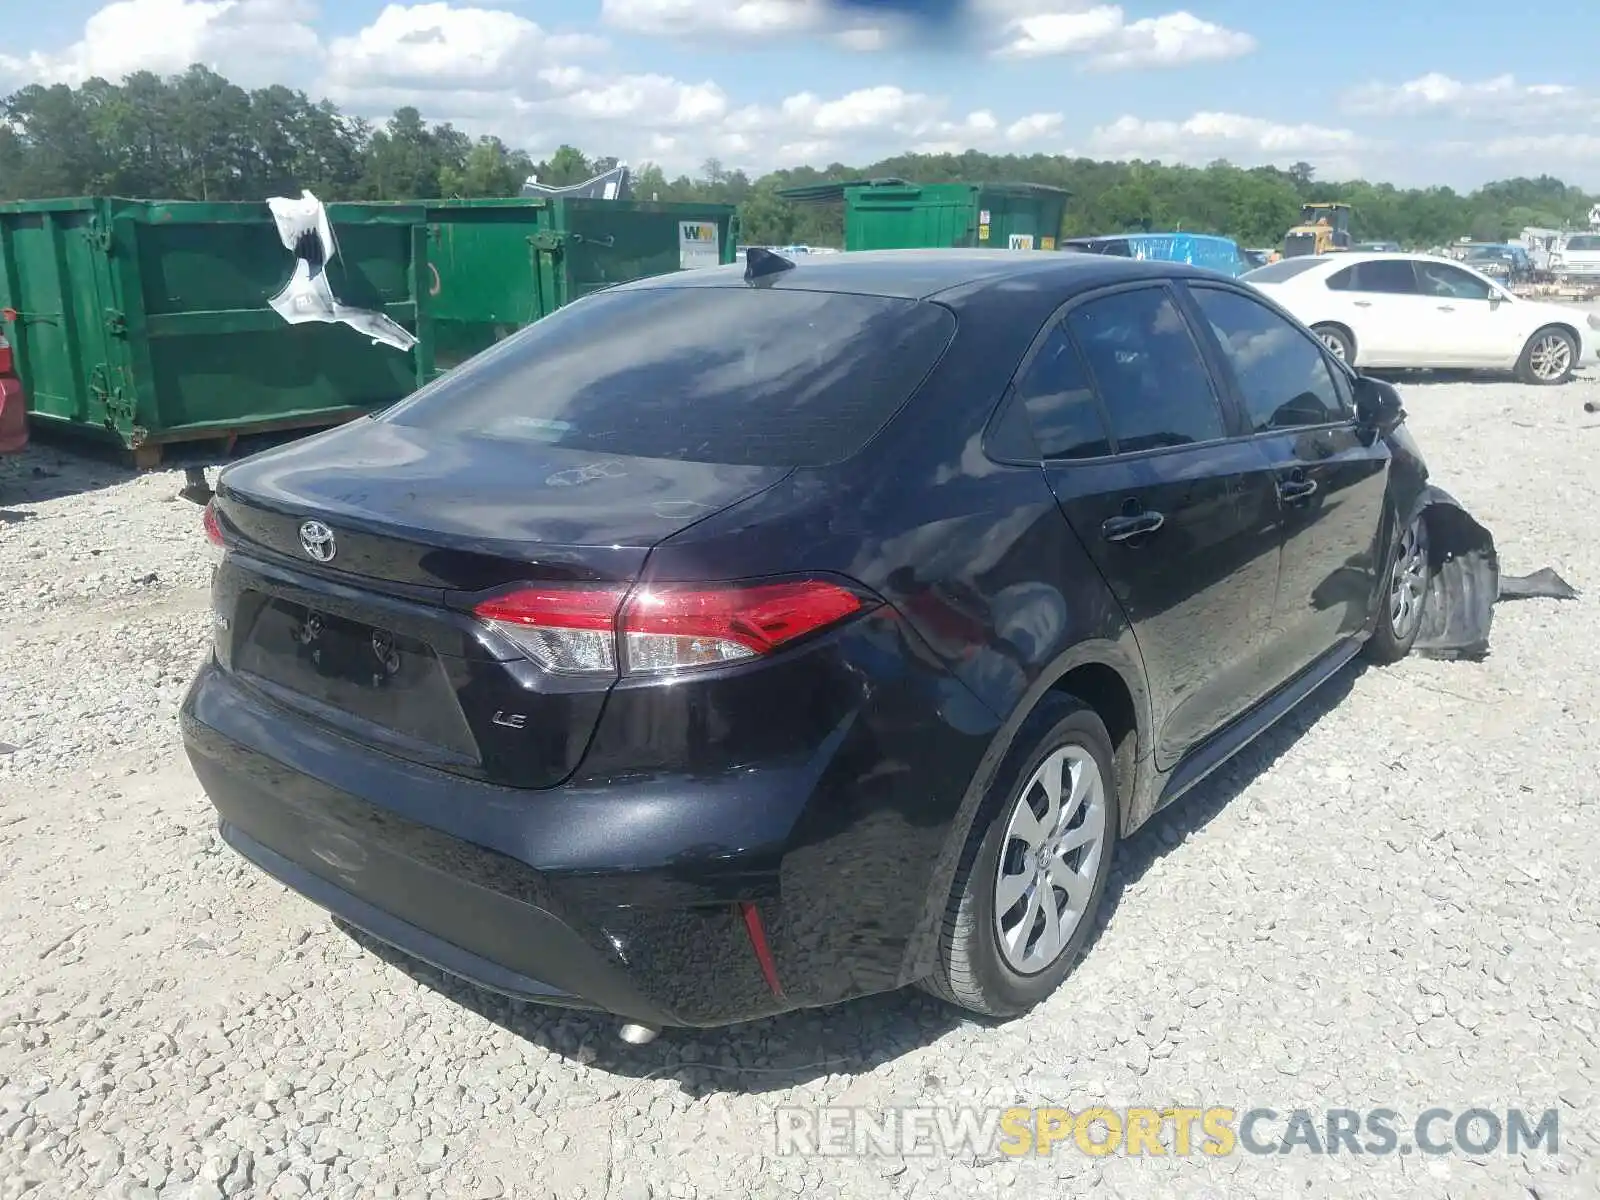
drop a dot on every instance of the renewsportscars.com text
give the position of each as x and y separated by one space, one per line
1159 1132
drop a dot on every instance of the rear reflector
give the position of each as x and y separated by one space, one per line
214 544
758 942
662 629
213 526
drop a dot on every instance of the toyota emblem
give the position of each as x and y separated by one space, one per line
316 539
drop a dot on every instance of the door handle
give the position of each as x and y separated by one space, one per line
1447 308
1121 529
1362 303
1291 490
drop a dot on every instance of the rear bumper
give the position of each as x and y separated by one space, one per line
541 939
300 803
619 894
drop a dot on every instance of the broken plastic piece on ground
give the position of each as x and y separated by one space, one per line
1465 581
1543 583
305 231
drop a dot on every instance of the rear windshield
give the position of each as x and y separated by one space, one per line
745 376
1284 268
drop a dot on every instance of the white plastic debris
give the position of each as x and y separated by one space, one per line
305 231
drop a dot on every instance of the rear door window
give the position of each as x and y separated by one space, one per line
1148 370
740 375
1390 276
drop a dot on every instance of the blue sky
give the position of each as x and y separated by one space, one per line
1422 93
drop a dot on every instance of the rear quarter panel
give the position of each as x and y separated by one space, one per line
993 597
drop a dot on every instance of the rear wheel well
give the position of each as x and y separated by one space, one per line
1105 691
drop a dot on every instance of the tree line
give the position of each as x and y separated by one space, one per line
198 136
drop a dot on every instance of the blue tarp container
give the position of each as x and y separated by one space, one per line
1198 249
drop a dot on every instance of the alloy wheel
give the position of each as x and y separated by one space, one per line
1335 343
1550 357
1408 585
1050 859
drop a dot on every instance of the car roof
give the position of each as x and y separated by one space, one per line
922 274
1345 257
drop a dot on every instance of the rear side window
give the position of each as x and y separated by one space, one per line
1148 370
1284 268
1583 242
1113 246
1282 373
744 376
1060 404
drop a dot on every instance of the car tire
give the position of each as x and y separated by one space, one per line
1406 576
978 971
1337 339
1549 358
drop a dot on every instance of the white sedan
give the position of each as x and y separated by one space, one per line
1417 311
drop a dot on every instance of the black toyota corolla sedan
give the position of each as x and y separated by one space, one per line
757 637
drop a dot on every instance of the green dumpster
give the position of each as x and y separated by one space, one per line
146 322
892 214
496 265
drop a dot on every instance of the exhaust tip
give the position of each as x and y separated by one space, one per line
638 1035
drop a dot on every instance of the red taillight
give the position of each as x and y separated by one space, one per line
5 357
213 527
568 630
666 628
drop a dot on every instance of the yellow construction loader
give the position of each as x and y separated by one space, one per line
1323 228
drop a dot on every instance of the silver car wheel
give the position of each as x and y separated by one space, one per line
1408 585
1050 859
1335 343
1550 357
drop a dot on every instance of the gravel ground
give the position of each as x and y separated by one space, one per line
1391 901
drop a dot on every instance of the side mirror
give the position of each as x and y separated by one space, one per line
1378 405
1496 299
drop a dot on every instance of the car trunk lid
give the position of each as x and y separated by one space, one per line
355 556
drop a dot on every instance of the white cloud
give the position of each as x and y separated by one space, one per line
1034 128
868 124
249 41
438 45
1500 98
647 101
1025 28
1249 141
685 18
1111 42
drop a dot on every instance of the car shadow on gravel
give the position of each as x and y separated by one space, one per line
771 1054
54 467
43 472
1170 828
855 1037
